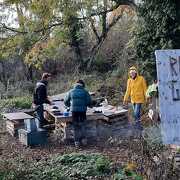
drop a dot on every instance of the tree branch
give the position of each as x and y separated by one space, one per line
126 2
35 31
94 30
114 22
123 2
97 46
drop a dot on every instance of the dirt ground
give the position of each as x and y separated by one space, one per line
120 151
10 147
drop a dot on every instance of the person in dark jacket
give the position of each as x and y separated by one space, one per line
40 97
78 99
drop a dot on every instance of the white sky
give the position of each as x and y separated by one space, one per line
8 16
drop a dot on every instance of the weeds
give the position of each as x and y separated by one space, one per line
24 102
68 166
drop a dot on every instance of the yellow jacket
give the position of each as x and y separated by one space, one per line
136 89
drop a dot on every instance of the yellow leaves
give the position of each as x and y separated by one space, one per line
36 56
44 10
40 52
131 166
9 46
43 7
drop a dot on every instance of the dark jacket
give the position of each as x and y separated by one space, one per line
40 93
78 99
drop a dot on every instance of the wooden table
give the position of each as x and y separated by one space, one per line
59 103
98 124
90 115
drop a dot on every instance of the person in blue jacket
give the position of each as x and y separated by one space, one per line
78 99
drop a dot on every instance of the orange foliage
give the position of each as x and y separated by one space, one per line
123 9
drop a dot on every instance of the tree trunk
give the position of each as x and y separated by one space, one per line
74 29
3 76
30 73
104 23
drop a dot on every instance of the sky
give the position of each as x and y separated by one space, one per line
8 16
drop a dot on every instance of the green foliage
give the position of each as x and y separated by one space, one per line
42 29
16 102
68 166
89 164
100 64
125 175
157 28
102 164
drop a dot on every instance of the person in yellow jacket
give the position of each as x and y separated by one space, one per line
136 90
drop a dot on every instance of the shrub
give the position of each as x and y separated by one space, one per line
125 175
57 167
16 102
102 164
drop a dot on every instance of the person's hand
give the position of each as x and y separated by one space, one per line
125 104
147 100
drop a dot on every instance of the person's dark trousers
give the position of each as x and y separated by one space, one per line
40 115
137 115
79 123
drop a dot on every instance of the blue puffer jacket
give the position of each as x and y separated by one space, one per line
78 99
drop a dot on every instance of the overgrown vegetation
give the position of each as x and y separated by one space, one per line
157 28
68 166
89 40
16 103
19 95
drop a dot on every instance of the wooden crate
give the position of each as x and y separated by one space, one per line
13 126
103 129
97 126
67 131
91 129
15 121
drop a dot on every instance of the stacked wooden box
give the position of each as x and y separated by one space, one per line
119 125
65 129
24 127
12 127
103 130
113 126
91 129
15 121
98 127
